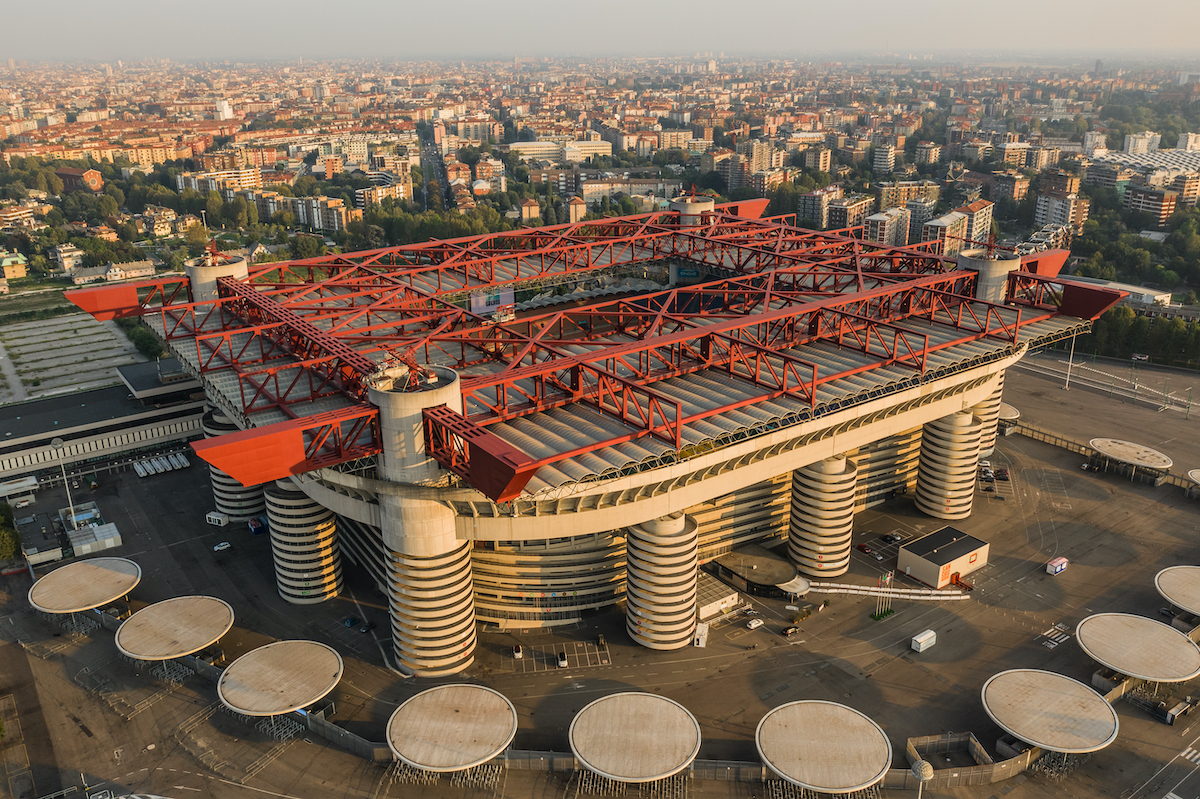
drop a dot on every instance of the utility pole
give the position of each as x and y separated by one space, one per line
57 443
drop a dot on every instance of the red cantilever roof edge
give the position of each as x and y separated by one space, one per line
258 455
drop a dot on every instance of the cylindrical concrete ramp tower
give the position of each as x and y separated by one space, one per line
992 283
949 459
304 545
660 593
823 516
988 413
203 273
240 503
692 209
429 569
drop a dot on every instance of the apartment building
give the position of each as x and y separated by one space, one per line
1009 185
1188 141
920 210
928 152
883 162
1188 186
1142 143
1058 208
889 227
850 211
819 158
374 195
893 194
1040 158
674 139
814 205
949 229
226 179
1014 153
979 220
327 214
1159 203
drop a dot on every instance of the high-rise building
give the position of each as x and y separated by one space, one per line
1159 203
1188 186
920 210
928 152
1061 182
884 160
850 211
1010 185
949 229
1054 208
819 158
889 227
896 193
979 221
1095 143
1188 141
814 206
224 111
1142 143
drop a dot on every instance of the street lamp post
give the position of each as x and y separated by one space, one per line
57 443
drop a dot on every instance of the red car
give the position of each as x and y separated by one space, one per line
866 550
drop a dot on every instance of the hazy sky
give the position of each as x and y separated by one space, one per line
250 29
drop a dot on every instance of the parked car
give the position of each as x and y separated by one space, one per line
892 538
1003 477
877 556
601 641
350 622
1166 612
754 624
866 550
752 612
366 628
224 546
562 660
518 652
790 631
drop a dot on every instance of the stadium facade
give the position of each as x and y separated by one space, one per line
517 428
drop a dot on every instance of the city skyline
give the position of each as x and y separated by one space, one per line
927 27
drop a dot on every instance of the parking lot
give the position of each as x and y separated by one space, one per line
580 655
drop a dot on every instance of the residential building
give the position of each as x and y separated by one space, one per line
374 195
920 210
129 271
1009 185
576 209
13 264
893 194
928 152
850 211
531 211
1040 158
1159 203
16 216
1060 182
1188 141
1108 176
814 206
1188 186
819 158
762 182
674 139
949 229
334 167
328 214
1142 143
1058 208
889 227
884 159
1013 153
78 179
1095 143
232 179
68 257
979 221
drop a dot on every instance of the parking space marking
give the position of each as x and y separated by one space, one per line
580 655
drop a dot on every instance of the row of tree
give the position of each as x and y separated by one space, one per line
1120 333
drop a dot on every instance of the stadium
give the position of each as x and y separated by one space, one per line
517 428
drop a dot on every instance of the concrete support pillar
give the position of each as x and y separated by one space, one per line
240 503
823 516
661 586
203 273
949 460
988 413
429 569
304 545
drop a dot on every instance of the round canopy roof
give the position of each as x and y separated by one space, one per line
452 727
1194 475
84 585
635 737
1133 454
1008 413
279 678
1049 710
823 746
1180 585
174 628
1139 647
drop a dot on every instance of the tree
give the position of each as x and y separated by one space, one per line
107 207
213 207
307 247
10 543
196 236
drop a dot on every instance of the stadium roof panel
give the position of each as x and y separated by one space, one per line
635 737
823 746
452 727
174 627
788 324
1139 647
280 677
